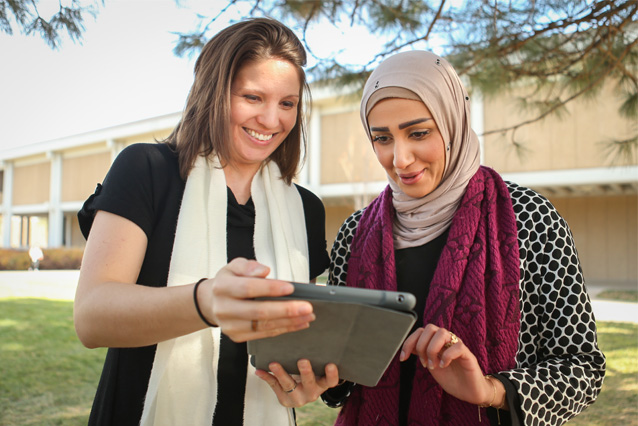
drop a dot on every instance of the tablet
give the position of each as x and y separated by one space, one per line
400 301
360 330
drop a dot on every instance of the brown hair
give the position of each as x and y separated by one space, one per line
204 127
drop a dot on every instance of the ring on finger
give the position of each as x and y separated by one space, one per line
254 324
293 388
452 341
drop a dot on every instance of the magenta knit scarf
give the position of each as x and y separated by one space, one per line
474 293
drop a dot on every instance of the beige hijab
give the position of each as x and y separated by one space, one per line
427 77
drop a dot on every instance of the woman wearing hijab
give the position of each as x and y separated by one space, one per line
506 333
182 235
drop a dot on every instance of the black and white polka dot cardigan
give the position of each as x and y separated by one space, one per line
559 367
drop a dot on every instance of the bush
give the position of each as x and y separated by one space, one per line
58 258
62 258
14 260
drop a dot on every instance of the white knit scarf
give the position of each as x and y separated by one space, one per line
183 384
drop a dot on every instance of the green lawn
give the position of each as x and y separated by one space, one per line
48 378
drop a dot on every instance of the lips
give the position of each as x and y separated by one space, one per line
259 136
410 178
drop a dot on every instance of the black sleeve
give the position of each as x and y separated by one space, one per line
315 215
131 187
513 417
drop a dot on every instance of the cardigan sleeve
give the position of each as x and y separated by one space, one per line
559 367
341 250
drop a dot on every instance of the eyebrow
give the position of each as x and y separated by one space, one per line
401 126
259 92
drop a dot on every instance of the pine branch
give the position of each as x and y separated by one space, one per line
561 104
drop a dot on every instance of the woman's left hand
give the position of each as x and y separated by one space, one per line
296 392
451 363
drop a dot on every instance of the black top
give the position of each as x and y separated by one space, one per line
144 186
415 268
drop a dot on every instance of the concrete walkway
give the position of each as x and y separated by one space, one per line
60 285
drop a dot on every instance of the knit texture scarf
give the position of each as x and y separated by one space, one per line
183 385
474 293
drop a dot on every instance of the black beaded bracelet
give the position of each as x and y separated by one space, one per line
199 311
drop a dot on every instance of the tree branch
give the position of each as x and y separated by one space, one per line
594 83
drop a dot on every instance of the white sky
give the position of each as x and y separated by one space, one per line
123 71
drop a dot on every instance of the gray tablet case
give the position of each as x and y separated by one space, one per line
360 339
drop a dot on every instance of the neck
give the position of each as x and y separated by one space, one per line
239 181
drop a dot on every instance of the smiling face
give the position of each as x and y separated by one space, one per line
263 110
408 144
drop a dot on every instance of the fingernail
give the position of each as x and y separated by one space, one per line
308 318
258 269
402 356
304 309
441 364
301 326
430 364
286 288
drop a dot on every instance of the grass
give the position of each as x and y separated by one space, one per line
48 378
618 401
619 295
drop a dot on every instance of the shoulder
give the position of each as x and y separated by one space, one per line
155 163
313 207
340 253
140 154
352 221
308 197
349 228
526 198
533 210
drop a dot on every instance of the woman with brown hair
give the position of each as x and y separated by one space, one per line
182 235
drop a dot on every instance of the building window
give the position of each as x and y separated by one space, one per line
27 231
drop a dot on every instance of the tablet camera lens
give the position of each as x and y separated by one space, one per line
400 298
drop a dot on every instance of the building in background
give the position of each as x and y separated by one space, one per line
44 185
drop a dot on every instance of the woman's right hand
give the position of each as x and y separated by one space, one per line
231 306
452 365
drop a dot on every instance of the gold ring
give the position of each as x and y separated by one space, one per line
293 388
453 340
253 325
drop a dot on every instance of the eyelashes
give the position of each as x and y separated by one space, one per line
416 135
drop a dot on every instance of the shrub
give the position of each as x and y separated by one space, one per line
57 258
14 260
62 258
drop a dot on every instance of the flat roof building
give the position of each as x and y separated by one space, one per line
43 185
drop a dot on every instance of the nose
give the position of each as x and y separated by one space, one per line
403 155
269 116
